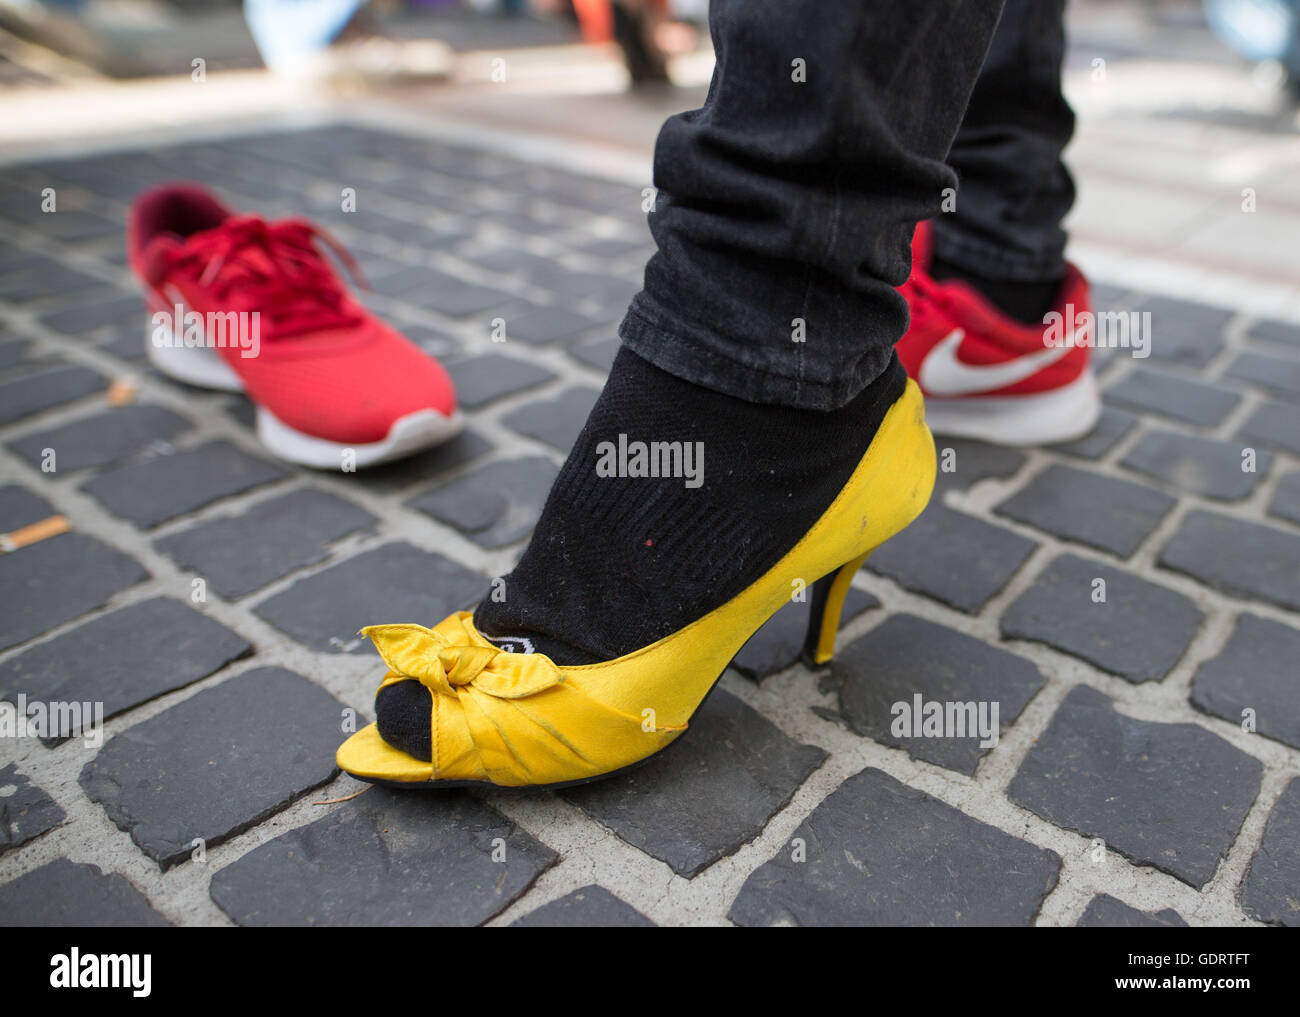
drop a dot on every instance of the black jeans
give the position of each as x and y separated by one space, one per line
786 204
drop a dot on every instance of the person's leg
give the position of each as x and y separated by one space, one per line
762 338
793 193
1004 235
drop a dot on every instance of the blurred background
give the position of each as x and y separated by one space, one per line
1183 105
609 68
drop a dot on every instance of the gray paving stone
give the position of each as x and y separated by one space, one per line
964 462
102 438
599 354
394 583
241 553
711 791
75 224
495 504
96 314
1238 557
433 341
1286 499
635 250
610 294
1172 796
880 853
1283 333
520 264
1172 396
126 345
953 557
1185 332
1277 374
19 508
39 277
423 466
483 379
777 645
121 659
53 581
1268 891
1200 465
525 223
1107 912
1255 671
13 352
1107 297
403 280
1090 508
44 389
1112 426
547 325
556 421
440 292
217 763
386 859
588 907
66 894
163 487
905 657
1275 424
241 408
1138 633
26 811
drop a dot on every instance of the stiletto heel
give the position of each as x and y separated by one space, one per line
824 619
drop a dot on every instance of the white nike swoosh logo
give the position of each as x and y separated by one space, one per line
942 374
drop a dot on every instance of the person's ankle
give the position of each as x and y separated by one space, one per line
1025 302
621 558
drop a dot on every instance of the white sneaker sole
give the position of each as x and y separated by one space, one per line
203 367
1045 418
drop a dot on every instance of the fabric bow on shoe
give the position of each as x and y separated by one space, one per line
445 660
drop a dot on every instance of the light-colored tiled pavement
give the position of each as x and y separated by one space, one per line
1124 771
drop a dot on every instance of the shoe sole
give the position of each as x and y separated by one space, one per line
1046 418
202 367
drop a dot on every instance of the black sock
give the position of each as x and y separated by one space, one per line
618 562
1026 302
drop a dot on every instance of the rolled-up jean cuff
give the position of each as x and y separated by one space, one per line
671 348
992 261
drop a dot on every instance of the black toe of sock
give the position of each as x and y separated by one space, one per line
402 713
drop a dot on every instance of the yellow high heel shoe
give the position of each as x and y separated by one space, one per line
519 720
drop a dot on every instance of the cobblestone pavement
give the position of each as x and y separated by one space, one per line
209 598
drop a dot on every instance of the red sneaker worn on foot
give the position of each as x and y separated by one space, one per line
985 375
248 305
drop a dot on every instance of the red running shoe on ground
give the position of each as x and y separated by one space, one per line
254 306
985 375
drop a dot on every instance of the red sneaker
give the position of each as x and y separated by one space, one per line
987 376
255 306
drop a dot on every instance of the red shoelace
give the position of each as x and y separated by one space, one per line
276 268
